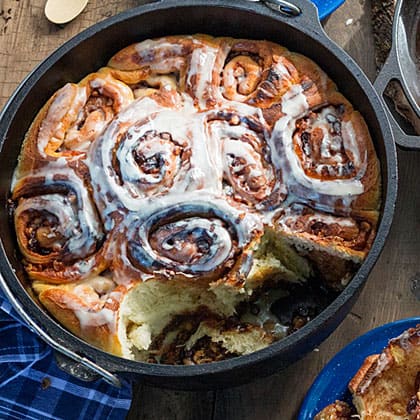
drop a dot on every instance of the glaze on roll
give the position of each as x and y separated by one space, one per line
164 203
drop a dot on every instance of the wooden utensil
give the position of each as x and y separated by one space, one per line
63 11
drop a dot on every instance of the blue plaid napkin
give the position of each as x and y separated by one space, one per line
33 387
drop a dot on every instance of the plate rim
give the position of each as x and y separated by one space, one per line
331 7
308 405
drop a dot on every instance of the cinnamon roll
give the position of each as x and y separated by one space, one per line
254 72
88 308
240 133
335 244
58 228
261 74
166 202
193 240
327 156
183 63
72 119
146 151
386 386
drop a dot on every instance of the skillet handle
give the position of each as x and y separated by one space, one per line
284 7
390 71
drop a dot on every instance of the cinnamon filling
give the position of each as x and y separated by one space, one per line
181 244
156 158
354 234
98 109
154 163
98 102
245 71
194 245
318 141
43 235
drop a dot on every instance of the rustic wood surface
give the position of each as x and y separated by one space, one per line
26 38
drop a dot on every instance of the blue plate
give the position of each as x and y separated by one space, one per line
326 7
331 383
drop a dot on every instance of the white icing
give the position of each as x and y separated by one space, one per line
201 68
104 316
294 103
153 53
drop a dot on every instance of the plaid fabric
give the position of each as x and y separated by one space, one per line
33 387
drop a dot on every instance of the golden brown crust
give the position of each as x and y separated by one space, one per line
385 383
73 307
362 372
371 180
318 87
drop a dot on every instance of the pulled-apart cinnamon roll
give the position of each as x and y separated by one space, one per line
335 244
386 386
166 205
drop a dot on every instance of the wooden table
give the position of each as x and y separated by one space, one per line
26 38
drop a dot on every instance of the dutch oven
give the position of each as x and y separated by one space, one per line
295 26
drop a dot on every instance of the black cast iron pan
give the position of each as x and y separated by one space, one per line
90 50
403 65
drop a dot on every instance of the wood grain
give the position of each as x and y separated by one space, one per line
26 38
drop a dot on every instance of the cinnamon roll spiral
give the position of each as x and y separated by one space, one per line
57 227
193 239
255 72
72 119
146 151
241 134
327 155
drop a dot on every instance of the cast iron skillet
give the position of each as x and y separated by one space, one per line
403 65
90 50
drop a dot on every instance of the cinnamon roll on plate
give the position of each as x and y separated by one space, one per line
176 205
386 385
